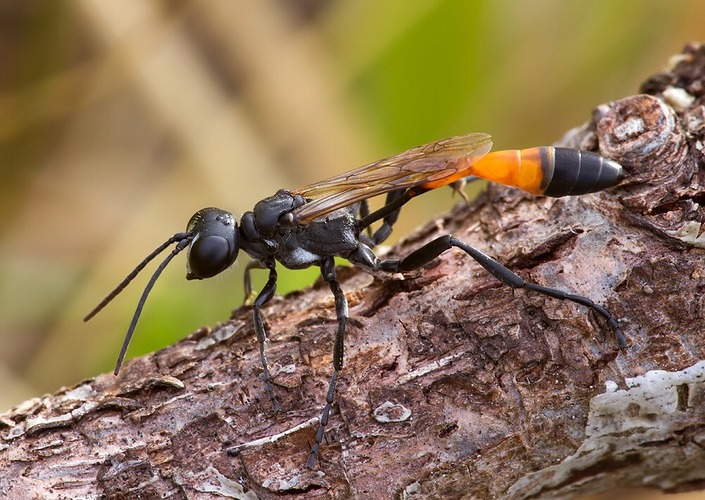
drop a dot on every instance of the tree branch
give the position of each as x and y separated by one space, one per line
454 384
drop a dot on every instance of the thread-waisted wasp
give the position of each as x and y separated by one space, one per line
331 218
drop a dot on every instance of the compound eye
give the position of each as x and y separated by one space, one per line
209 256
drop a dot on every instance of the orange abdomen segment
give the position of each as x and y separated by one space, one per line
549 171
517 168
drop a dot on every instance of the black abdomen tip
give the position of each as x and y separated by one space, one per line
578 172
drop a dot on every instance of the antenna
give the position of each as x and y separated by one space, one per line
183 239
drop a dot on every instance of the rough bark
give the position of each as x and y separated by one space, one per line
454 384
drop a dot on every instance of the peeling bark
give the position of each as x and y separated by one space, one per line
454 384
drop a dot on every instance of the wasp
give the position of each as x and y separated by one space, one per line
313 225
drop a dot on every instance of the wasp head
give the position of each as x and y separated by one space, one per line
214 245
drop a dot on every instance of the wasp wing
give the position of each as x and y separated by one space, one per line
430 163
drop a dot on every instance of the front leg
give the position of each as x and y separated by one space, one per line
247 280
341 312
262 298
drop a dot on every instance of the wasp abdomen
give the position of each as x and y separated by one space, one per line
548 171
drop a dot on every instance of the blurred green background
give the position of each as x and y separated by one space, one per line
120 118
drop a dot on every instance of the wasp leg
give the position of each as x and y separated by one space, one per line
249 291
341 312
436 247
459 188
384 230
388 213
262 298
364 211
